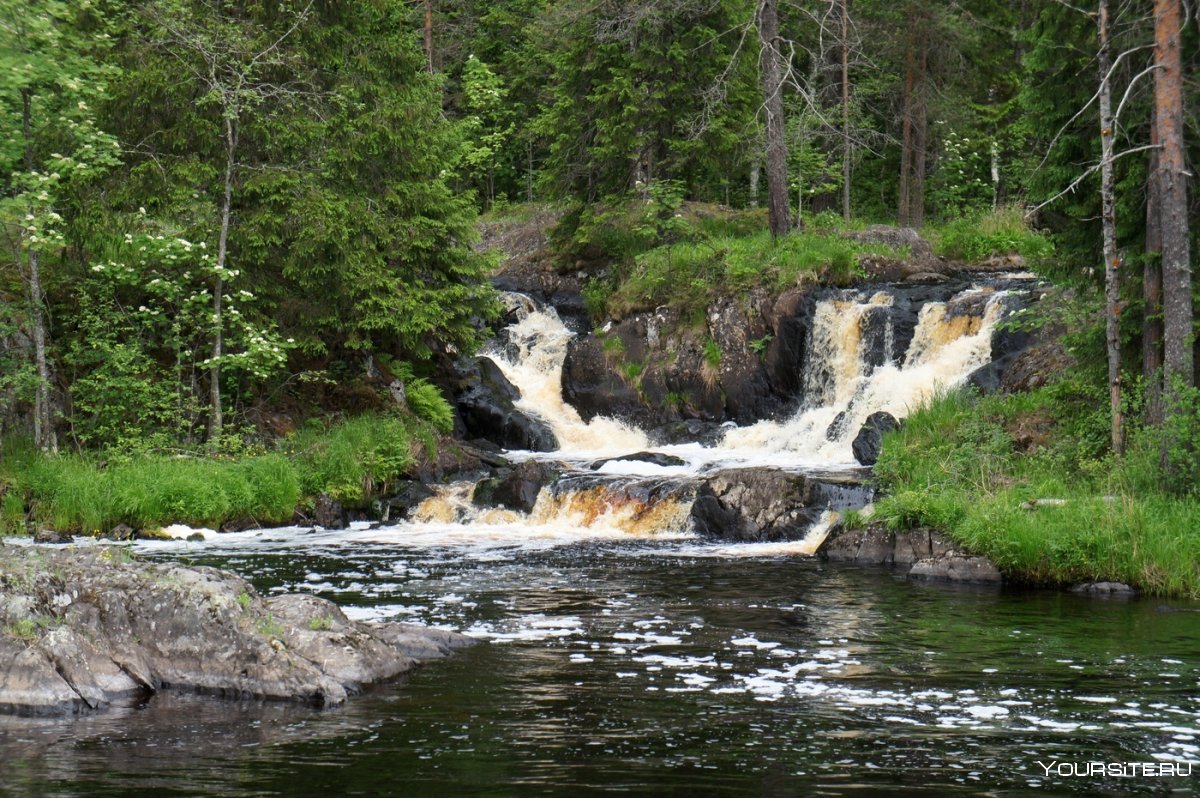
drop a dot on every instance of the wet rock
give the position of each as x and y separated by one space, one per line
121 532
1105 590
868 443
754 504
591 378
484 400
408 496
328 513
514 489
691 430
239 525
875 544
742 376
654 458
45 535
30 684
952 567
82 629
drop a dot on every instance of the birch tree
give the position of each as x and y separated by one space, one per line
241 69
48 88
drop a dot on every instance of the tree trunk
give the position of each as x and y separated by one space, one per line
755 169
906 136
846 151
1108 221
1172 172
1152 331
772 77
920 138
43 425
215 418
429 34
529 171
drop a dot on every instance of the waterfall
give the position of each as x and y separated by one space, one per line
533 361
843 386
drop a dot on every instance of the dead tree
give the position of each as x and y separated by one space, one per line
772 79
1108 219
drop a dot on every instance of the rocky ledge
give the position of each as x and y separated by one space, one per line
922 553
81 629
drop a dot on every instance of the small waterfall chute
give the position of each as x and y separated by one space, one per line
532 360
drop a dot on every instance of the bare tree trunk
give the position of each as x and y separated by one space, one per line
43 426
772 77
1108 218
429 34
755 169
215 419
1176 263
529 171
846 151
916 198
1152 331
906 137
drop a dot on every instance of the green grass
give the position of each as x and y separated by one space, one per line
979 236
980 468
84 494
691 273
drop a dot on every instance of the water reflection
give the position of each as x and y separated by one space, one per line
609 669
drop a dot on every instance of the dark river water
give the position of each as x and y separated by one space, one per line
661 667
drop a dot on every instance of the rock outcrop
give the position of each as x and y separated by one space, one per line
766 504
922 553
515 488
483 399
83 629
868 443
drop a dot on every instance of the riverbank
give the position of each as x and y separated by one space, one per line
320 474
1027 480
85 628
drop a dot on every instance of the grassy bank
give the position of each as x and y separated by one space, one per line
1026 480
686 254
351 461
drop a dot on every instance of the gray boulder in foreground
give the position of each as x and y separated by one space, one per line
81 629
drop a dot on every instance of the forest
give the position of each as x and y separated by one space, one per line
229 226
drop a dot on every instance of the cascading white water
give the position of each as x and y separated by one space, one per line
842 386
943 353
539 343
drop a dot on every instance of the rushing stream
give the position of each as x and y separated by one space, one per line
624 653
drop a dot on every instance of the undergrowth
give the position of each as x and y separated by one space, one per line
1028 481
90 494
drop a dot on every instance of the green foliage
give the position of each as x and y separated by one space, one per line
427 403
712 354
632 371
1025 480
692 273
354 459
80 494
320 624
759 345
243 600
979 236
958 187
268 626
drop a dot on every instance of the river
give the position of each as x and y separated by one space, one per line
620 652
659 666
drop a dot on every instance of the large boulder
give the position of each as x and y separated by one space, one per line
484 400
82 629
514 489
868 443
754 504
